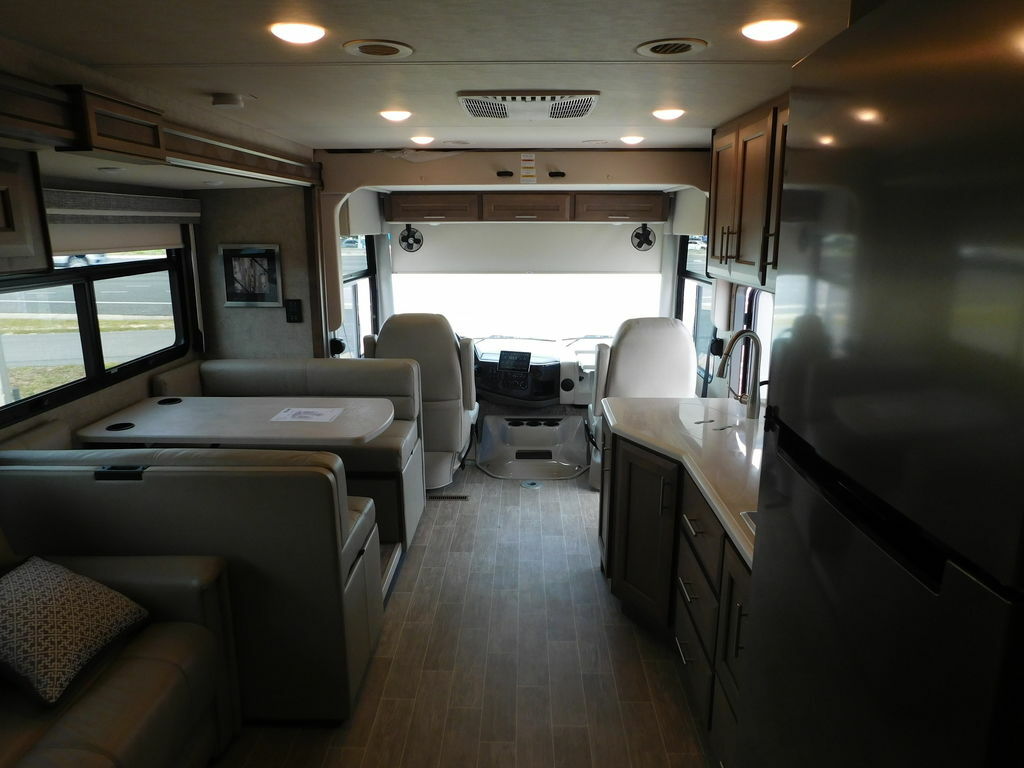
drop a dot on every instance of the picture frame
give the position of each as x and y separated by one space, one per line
252 275
24 236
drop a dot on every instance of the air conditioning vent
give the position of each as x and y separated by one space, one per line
671 48
528 105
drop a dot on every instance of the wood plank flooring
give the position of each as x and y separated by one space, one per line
502 648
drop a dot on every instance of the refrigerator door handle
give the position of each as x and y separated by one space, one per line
737 621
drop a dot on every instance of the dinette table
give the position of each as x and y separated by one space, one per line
251 422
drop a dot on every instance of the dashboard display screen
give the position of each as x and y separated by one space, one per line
514 361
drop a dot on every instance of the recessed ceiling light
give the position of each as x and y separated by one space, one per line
668 114
868 115
631 139
767 30
422 139
299 34
227 100
827 140
111 169
395 115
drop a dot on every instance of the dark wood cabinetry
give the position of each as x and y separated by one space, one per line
520 206
432 206
746 185
735 595
644 502
621 206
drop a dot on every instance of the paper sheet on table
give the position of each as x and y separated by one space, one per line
308 414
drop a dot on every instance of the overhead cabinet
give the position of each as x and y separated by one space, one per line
746 187
516 206
642 207
616 206
432 206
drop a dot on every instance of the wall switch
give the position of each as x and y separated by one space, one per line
293 310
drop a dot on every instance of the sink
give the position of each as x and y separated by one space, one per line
750 518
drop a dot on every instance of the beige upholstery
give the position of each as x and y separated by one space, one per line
163 697
280 519
649 357
389 468
446 381
48 436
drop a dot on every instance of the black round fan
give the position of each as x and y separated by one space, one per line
643 238
410 239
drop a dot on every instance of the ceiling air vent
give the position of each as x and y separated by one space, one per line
670 48
528 105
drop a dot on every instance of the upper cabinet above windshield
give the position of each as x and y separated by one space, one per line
527 206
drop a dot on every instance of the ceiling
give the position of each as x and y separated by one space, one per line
323 97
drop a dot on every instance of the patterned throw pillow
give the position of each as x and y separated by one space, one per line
52 621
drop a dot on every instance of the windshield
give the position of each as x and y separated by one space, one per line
521 311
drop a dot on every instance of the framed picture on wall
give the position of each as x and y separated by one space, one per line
24 239
252 275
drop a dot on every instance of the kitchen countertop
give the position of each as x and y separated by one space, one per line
724 463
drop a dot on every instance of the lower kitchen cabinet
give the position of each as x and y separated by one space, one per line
643 531
671 564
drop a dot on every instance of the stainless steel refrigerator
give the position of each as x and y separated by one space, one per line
885 624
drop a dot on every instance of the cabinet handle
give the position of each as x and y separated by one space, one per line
533 216
729 232
435 217
721 246
686 593
682 653
693 531
617 217
738 615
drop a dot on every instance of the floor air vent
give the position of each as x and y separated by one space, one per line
533 455
449 497
528 105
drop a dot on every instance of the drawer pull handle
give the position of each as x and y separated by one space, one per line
737 622
435 217
689 524
523 216
686 592
682 653
617 217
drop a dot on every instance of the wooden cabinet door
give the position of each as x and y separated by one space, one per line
643 528
722 220
770 261
754 155
617 206
732 616
527 206
432 206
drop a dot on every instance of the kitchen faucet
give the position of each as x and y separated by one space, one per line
753 370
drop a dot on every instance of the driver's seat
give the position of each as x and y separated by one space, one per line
649 357
446 376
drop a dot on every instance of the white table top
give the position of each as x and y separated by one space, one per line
243 421
712 438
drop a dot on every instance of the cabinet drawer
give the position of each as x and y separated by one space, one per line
696 669
699 525
518 206
698 596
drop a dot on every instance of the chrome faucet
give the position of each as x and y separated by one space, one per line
754 371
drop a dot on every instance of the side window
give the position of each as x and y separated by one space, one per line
96 319
358 279
696 315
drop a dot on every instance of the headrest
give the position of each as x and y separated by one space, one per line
430 340
652 357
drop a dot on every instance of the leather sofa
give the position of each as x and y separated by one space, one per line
164 697
303 556
388 469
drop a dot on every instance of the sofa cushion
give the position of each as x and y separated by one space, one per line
53 621
388 452
143 705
